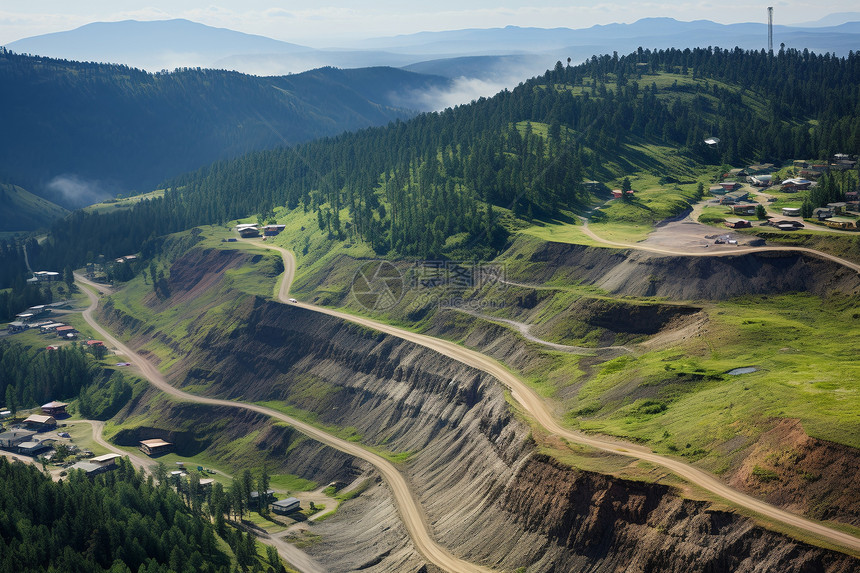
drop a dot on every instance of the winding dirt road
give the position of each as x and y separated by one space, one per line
410 512
717 250
541 412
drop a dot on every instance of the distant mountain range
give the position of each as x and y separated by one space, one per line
521 52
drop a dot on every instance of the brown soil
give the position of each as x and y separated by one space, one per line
809 476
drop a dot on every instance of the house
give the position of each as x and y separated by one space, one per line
841 223
47 276
66 331
40 422
54 408
273 230
286 506
744 209
92 469
105 460
795 184
760 180
838 208
822 213
734 197
155 447
733 223
270 494
730 185
791 211
248 230
12 438
617 193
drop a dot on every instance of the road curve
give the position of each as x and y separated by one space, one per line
717 252
98 427
410 512
536 406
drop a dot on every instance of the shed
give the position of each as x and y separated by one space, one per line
285 506
65 331
838 208
155 446
50 327
822 213
270 494
791 211
54 408
273 230
744 209
16 326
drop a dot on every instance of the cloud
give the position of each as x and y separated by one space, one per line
77 191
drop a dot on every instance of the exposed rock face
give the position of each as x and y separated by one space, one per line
689 278
488 496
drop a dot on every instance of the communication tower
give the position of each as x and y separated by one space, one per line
770 29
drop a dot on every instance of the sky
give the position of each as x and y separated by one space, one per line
327 23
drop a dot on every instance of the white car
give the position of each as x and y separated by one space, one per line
294 301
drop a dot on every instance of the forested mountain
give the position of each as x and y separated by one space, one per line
116 522
86 131
430 187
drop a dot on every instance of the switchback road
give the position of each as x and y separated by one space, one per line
410 512
534 405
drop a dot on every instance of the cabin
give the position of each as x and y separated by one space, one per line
733 223
730 185
285 506
247 230
273 230
838 208
791 211
40 423
155 447
54 408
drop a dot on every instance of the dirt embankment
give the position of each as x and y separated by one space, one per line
487 495
687 278
790 469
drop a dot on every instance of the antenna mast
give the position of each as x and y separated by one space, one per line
770 29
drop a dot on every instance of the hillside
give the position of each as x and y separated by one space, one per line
23 211
87 131
456 183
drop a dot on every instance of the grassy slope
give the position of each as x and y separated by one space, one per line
23 211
